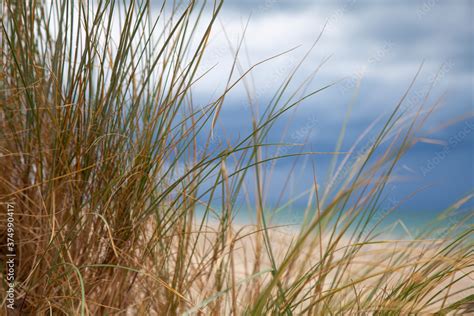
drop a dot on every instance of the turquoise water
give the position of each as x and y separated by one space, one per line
402 224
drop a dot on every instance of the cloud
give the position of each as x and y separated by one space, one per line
383 45
357 36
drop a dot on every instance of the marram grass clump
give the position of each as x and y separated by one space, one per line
122 209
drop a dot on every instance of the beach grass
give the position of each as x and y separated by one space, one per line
108 158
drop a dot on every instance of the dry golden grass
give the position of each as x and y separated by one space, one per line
99 150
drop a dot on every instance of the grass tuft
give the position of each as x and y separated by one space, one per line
122 208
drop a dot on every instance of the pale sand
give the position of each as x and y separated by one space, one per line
369 260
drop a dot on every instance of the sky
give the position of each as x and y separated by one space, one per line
377 44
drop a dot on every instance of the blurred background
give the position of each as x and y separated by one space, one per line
372 49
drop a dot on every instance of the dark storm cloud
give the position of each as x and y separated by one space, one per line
388 40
